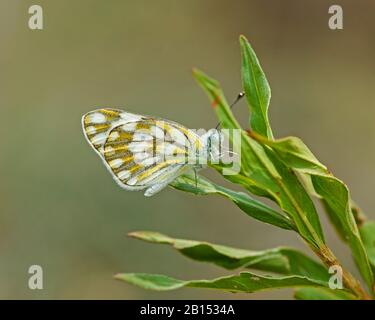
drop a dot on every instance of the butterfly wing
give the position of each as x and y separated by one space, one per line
140 152
97 124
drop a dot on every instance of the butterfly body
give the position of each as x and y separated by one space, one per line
144 152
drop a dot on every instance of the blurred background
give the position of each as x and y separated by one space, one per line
60 208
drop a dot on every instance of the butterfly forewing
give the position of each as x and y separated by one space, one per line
96 124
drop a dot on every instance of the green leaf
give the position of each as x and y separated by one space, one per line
244 282
367 231
250 206
334 219
293 152
223 112
281 260
217 98
295 201
151 281
257 89
333 193
263 174
322 294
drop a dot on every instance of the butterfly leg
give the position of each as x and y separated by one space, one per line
165 180
154 189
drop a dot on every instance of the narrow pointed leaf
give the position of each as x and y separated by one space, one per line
335 195
244 282
286 261
322 294
218 100
293 152
367 231
257 89
223 112
250 206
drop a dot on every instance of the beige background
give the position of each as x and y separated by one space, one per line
59 208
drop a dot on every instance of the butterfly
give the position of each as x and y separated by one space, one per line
147 153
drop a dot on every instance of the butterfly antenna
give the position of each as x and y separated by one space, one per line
239 97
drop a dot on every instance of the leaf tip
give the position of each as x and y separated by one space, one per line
150 236
243 38
118 276
196 72
133 234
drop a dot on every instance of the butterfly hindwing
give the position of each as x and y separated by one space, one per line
141 152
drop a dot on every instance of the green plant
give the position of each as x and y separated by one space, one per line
285 171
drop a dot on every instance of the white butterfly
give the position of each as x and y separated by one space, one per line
143 152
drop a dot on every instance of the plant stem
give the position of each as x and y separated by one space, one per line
328 258
350 282
319 247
